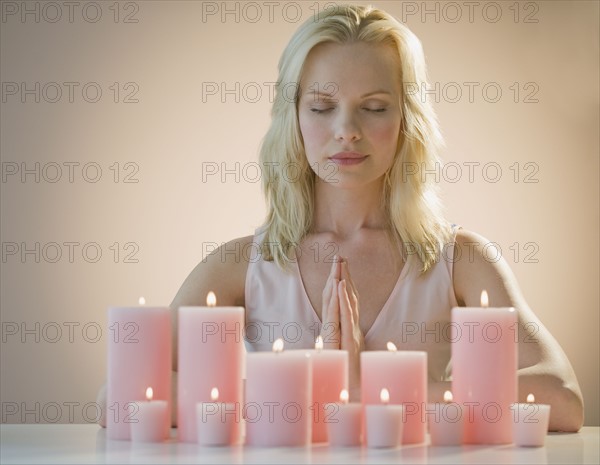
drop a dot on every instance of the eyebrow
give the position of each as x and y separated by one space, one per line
368 94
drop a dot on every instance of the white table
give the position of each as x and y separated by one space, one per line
88 444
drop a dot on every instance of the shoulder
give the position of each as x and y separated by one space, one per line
223 271
229 262
231 256
478 264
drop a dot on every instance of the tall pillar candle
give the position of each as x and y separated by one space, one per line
404 374
139 355
210 353
329 378
484 370
278 398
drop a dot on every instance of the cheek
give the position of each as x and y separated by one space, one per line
314 135
386 135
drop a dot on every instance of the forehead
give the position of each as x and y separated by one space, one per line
352 67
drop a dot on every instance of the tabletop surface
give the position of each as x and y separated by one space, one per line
88 444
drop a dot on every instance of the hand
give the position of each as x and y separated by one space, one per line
352 337
340 316
330 315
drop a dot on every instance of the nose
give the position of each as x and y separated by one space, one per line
347 129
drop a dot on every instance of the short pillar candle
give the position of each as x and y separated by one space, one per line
150 420
344 422
530 423
384 423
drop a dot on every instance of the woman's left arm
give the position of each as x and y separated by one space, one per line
544 368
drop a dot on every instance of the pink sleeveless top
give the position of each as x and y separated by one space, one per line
416 316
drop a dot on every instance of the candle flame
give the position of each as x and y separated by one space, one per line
484 299
149 394
278 345
384 395
391 346
319 342
214 394
344 396
447 397
211 299
530 398
142 301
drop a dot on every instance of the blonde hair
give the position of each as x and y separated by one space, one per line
411 202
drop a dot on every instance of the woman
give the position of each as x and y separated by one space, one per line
354 246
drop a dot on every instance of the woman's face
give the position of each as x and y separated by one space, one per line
349 112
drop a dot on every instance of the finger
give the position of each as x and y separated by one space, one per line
346 276
352 292
329 289
334 314
346 319
330 327
334 265
338 267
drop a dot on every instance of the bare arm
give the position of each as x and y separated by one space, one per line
543 366
223 272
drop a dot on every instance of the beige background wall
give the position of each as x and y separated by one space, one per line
542 132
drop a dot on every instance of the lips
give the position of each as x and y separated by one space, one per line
348 158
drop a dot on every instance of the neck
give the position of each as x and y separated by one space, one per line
344 212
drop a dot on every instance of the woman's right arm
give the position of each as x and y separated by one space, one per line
223 272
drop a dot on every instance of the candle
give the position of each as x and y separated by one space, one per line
278 397
484 370
329 377
344 422
530 423
446 422
404 373
218 422
384 422
139 355
210 354
150 420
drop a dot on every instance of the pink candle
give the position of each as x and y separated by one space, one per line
404 374
218 422
446 422
150 421
278 398
329 377
139 355
344 422
384 423
530 423
484 370
210 354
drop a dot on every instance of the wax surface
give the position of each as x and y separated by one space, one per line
278 399
218 423
404 374
210 354
484 371
139 356
329 377
384 425
344 424
446 423
153 422
530 424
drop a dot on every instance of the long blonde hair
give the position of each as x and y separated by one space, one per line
410 200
